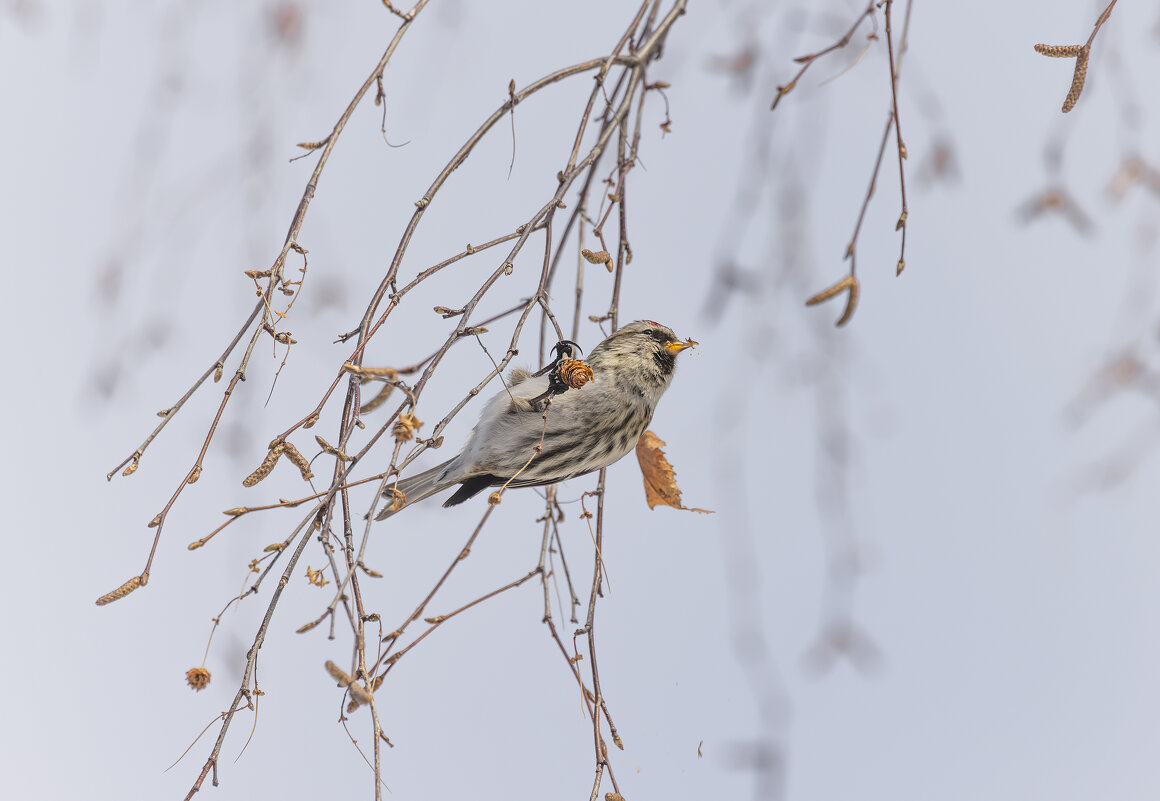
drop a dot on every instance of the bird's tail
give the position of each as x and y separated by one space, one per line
417 487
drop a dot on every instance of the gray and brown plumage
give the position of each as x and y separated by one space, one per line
586 429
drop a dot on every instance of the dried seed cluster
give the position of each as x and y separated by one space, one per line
398 498
197 678
405 427
574 373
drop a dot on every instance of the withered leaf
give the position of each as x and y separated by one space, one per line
660 480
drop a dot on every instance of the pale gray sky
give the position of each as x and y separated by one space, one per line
1011 600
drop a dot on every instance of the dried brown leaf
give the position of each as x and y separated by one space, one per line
660 480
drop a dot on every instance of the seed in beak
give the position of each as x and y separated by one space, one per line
676 347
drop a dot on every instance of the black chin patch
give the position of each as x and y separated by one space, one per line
666 362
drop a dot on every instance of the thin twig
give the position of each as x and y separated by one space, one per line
807 61
901 226
850 284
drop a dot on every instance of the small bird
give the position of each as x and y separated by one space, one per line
583 430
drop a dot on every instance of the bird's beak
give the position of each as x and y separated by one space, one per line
676 347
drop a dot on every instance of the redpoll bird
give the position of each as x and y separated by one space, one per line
585 429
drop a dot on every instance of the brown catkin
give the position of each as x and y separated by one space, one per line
330 449
299 460
848 284
1077 80
120 592
832 291
851 304
338 674
1058 51
365 373
359 693
378 400
599 257
267 465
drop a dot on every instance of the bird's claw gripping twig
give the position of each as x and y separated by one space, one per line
563 350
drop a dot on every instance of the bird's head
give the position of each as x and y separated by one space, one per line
644 344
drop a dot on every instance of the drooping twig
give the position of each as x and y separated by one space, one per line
850 284
901 226
252 659
807 61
